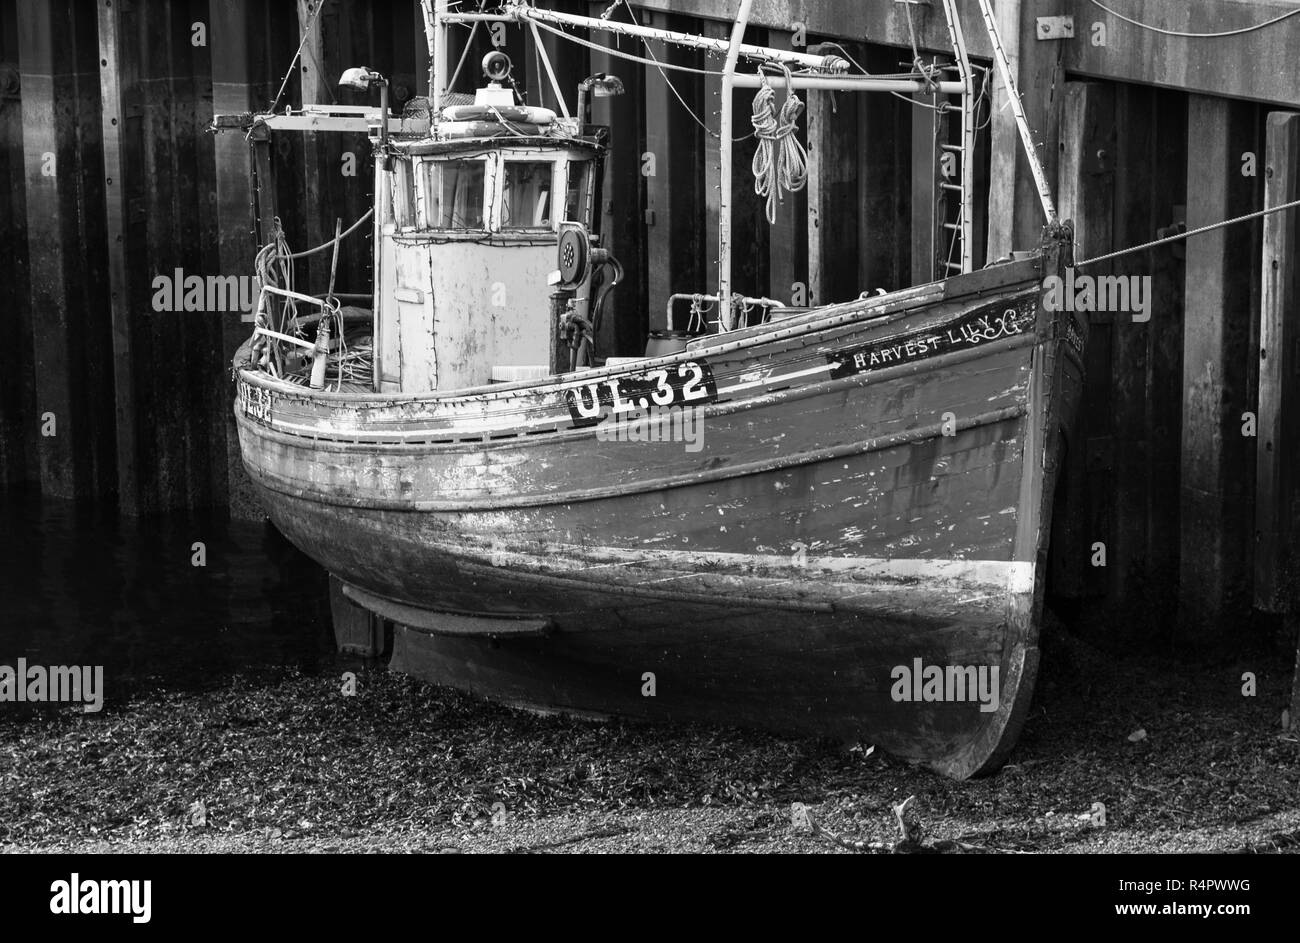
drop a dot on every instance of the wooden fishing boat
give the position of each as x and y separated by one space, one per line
832 521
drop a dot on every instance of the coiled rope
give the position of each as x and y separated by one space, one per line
780 161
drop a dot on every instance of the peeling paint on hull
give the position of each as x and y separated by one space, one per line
864 497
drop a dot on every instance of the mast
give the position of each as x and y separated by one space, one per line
435 20
724 198
1013 96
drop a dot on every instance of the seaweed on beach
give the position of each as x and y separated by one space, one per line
287 757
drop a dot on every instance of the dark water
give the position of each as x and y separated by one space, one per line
82 586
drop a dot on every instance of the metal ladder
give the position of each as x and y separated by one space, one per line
960 245
952 209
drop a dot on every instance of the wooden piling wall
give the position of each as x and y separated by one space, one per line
109 179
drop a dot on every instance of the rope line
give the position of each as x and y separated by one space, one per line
1189 233
780 161
1186 35
325 245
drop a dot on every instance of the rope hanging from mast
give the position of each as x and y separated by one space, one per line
780 162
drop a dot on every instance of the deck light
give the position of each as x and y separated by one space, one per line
602 86
362 78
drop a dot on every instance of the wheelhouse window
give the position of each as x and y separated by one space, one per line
526 195
578 192
454 194
403 195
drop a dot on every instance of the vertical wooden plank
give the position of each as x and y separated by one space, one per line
365 37
1085 190
983 191
1004 156
818 193
115 212
188 71
390 43
316 206
924 183
1215 500
832 186
1085 183
233 92
675 203
623 201
712 167
1276 443
54 101
787 238
1295 684
884 176
1127 557
929 129
1015 216
657 169
1165 345
164 443
415 23
19 434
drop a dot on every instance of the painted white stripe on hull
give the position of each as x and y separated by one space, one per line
1013 576
768 381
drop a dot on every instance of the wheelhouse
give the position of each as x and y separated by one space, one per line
466 235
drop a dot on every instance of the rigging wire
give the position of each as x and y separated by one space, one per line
1191 232
297 55
469 43
618 53
1186 35
664 75
615 51
661 66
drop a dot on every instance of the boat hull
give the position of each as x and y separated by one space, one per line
866 503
